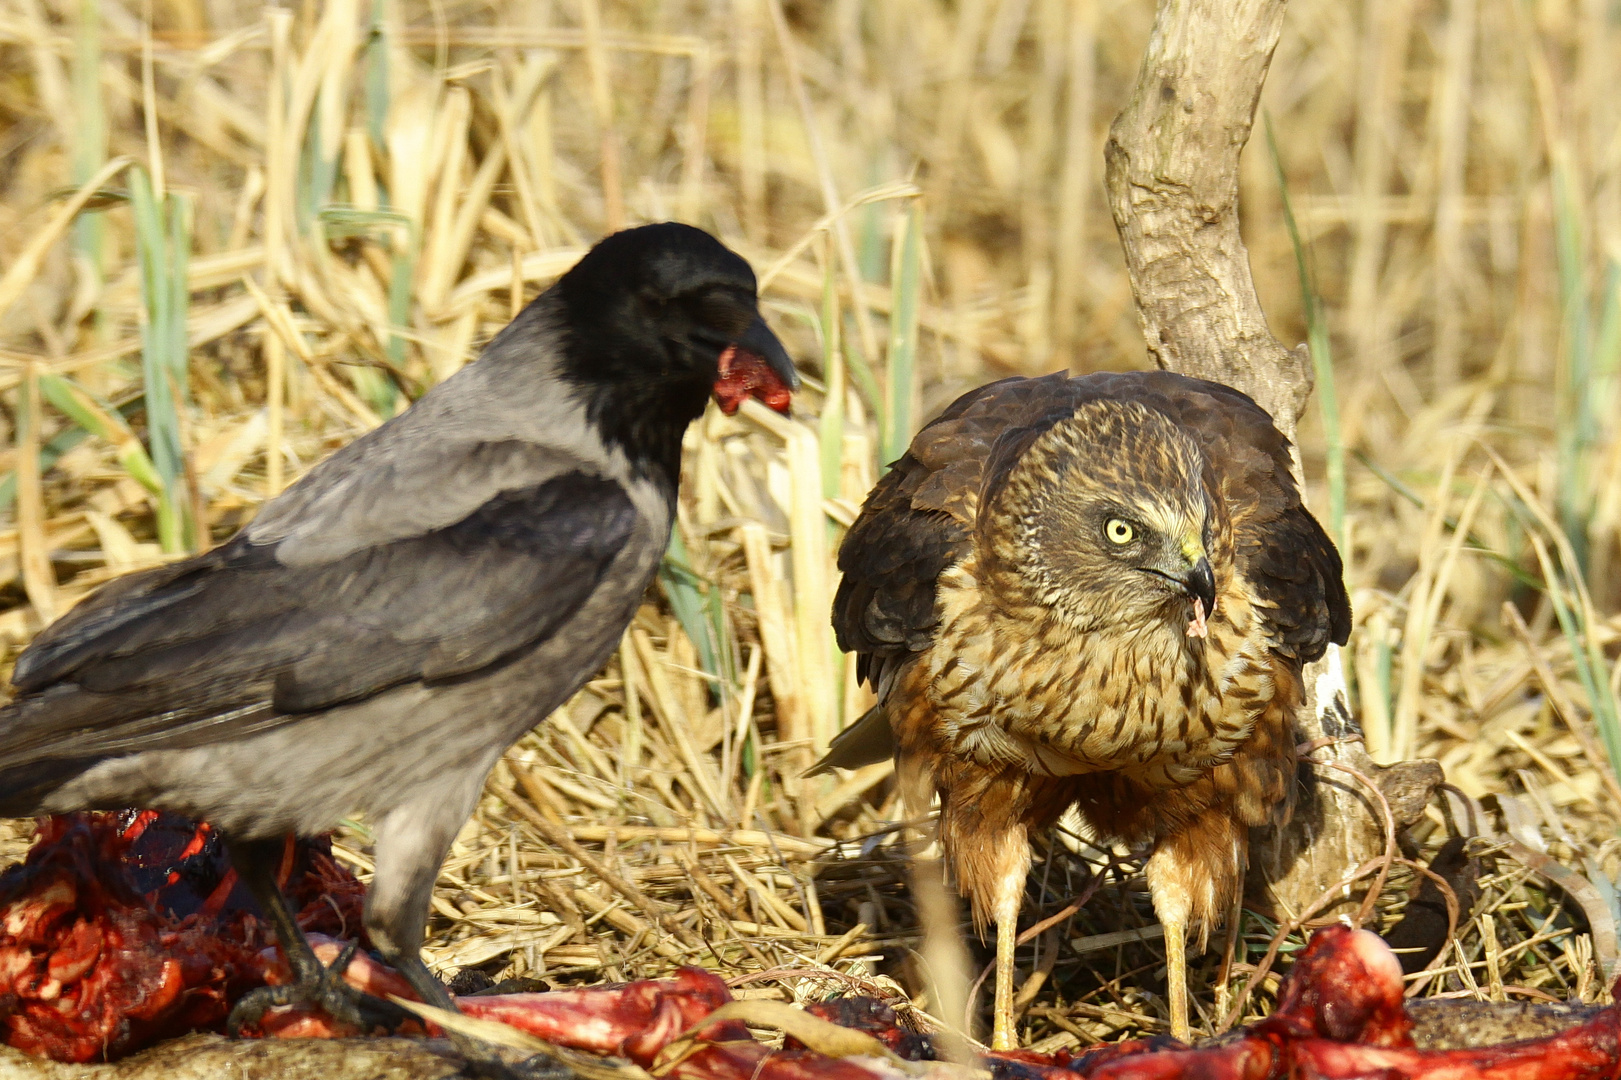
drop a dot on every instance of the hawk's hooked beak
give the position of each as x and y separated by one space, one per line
1189 571
1200 584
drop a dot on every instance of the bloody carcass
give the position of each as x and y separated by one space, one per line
118 930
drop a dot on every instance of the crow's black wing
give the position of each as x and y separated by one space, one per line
158 658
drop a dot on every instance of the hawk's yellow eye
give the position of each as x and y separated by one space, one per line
1119 531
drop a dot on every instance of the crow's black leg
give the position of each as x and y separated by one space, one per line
256 862
483 1059
412 841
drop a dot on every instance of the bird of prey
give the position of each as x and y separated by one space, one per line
1094 592
382 631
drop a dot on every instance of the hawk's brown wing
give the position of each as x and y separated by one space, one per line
919 519
916 522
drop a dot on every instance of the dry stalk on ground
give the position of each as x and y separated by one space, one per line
425 168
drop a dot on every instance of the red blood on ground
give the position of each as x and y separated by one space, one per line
118 930
1345 985
1243 1059
1340 1016
1590 1051
744 375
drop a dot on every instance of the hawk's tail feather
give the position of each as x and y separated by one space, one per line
866 742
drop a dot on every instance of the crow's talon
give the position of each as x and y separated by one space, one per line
252 1006
327 992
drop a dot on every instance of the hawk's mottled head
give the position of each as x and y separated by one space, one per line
1105 517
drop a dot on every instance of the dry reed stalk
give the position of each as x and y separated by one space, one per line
750 77
39 580
825 179
481 155
1452 135
25 265
1562 705
602 103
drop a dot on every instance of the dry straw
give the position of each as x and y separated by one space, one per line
334 205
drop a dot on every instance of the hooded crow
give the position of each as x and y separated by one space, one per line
382 631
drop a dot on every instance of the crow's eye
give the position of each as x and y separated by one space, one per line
721 312
1119 531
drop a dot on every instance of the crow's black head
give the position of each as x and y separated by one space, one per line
657 319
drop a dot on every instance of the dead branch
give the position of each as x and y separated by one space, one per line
1173 159
1173 186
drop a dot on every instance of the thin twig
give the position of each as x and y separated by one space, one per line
555 834
1562 705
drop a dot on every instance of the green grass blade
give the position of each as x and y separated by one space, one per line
178 263
177 353
859 371
1562 583
402 271
906 282
339 221
1579 640
394 230
97 419
1317 341
1607 339
1606 358
696 604
89 130
59 444
1577 425
320 171
152 242
376 77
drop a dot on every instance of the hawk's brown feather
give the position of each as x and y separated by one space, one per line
1025 664
915 522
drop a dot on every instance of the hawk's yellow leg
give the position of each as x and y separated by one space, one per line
1009 895
1005 1036
1176 977
1171 890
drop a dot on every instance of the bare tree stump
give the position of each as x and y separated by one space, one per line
1172 173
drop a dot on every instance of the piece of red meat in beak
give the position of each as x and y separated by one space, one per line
756 365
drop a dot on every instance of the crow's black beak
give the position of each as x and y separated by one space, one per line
1201 584
759 339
